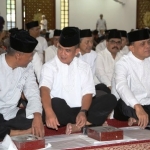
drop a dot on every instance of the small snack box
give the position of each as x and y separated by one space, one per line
105 133
28 142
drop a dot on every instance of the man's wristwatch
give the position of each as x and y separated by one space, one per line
84 110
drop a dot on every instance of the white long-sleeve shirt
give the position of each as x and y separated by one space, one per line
101 46
131 80
42 44
89 58
105 66
69 82
124 51
37 65
50 53
12 83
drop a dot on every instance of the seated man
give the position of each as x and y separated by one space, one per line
102 44
96 39
36 61
106 60
67 88
34 30
86 53
124 42
17 76
131 83
51 51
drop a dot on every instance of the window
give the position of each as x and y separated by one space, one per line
64 13
11 14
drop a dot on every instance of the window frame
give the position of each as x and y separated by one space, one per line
64 13
10 11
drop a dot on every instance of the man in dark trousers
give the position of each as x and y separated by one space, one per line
67 88
17 76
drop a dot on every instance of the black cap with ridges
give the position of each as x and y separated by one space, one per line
107 31
57 32
123 33
22 41
138 35
85 33
32 24
114 34
70 36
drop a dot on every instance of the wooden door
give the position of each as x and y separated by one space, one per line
143 13
33 9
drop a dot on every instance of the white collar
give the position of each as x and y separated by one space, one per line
135 58
5 63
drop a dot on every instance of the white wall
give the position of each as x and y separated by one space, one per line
19 13
57 2
84 13
3 9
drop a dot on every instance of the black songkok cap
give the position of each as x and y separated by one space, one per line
138 35
32 24
70 36
85 33
95 32
123 33
57 32
13 30
107 31
22 41
114 34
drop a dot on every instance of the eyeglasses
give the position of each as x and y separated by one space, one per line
114 42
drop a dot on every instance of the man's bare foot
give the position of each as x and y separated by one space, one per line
20 132
132 121
71 128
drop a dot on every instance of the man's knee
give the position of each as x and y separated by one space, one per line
110 100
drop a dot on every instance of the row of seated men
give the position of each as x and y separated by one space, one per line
67 90
86 52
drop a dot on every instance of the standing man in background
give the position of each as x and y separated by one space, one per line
43 23
101 25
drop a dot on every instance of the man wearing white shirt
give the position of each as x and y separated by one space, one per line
102 45
67 88
17 76
101 24
51 51
124 40
37 65
34 30
43 23
86 53
131 83
106 60
36 61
